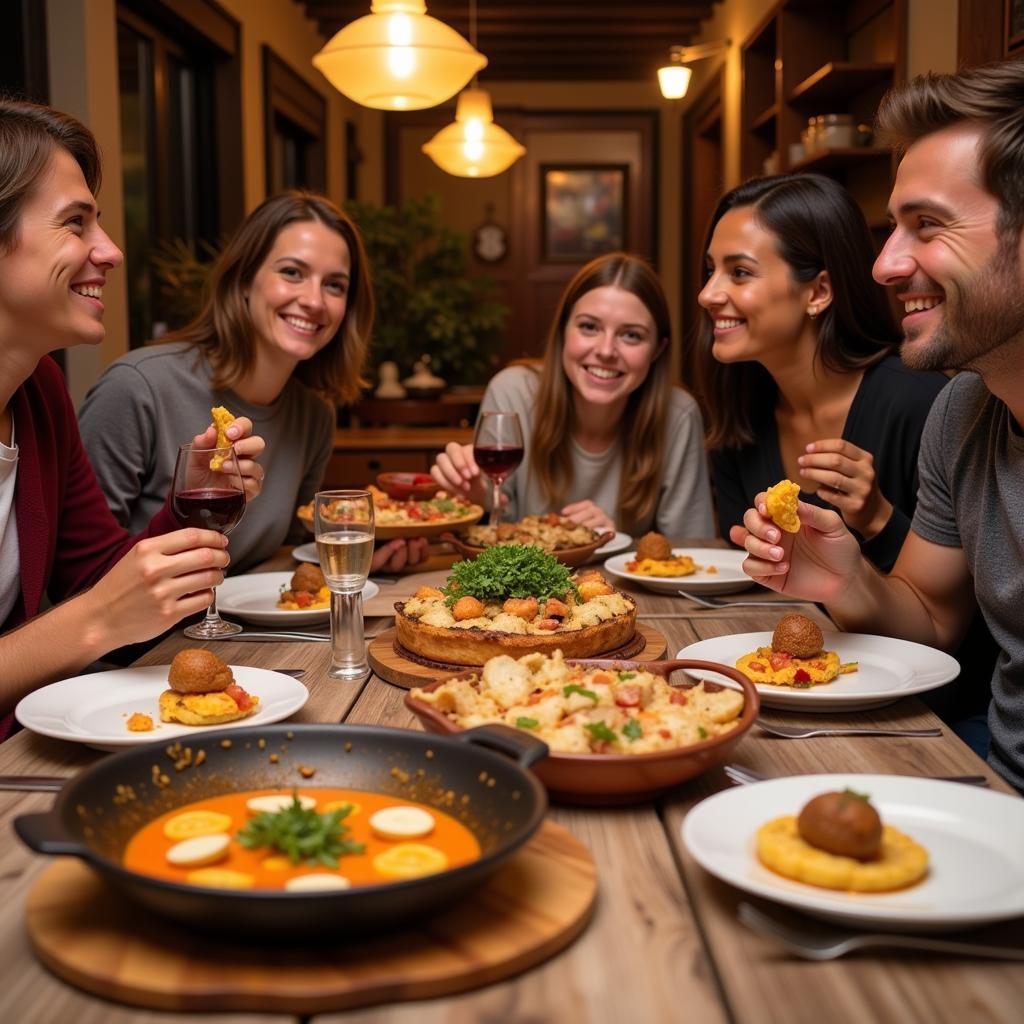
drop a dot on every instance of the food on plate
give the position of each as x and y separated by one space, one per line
140 722
222 419
442 509
655 546
548 532
515 599
305 840
307 590
839 842
203 691
674 565
579 710
781 501
796 657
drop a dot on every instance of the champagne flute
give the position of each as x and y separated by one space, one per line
208 493
498 449
343 523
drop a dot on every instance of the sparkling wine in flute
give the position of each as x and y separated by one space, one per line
345 558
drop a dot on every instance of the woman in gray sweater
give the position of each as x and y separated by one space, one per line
608 440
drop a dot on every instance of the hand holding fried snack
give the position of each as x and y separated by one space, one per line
781 501
222 419
248 447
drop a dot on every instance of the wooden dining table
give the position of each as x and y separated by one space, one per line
664 943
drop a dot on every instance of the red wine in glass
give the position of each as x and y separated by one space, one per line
497 461
498 450
209 508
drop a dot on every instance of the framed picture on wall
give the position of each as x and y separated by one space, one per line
583 211
1014 26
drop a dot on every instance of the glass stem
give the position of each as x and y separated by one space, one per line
212 615
348 649
495 507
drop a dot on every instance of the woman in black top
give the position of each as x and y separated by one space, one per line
797 372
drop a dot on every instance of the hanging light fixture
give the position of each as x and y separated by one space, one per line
473 146
674 77
398 58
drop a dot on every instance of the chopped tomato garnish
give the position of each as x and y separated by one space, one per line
627 696
800 676
681 698
665 734
756 666
602 677
239 696
303 600
780 659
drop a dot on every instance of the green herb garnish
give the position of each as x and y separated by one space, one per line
302 834
632 730
572 688
526 723
509 570
444 505
623 676
702 732
600 731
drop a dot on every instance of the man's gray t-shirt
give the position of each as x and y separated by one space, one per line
971 496
154 399
683 507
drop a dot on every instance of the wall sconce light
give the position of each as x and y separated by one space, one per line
674 77
398 58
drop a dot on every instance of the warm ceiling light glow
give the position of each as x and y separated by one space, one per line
398 58
674 80
473 146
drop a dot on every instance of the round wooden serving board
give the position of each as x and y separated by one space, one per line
392 667
101 942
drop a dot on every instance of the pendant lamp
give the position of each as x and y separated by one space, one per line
473 146
398 58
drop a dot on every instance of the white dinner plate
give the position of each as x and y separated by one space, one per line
973 838
253 597
619 542
306 553
95 708
728 576
889 669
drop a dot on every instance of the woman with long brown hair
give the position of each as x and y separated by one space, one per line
282 337
609 440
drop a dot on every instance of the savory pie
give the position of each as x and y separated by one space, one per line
514 599
548 532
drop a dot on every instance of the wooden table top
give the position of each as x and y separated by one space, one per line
664 943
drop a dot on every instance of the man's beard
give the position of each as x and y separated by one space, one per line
979 316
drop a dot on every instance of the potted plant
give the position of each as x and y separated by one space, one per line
427 302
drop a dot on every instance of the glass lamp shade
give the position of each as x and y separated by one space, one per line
398 58
473 146
674 80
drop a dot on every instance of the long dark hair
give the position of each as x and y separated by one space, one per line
645 420
817 226
223 330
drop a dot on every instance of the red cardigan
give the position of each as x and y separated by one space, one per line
67 536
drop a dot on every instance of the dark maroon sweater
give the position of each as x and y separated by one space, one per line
67 536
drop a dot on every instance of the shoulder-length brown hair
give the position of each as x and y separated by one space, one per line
817 226
224 331
29 134
645 421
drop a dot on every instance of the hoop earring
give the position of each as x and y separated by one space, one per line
813 314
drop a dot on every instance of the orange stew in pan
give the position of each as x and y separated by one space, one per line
339 835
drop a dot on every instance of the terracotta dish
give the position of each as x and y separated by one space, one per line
607 779
403 486
572 557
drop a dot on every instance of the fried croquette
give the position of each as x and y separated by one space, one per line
195 670
307 579
222 419
797 635
781 501
654 546
841 823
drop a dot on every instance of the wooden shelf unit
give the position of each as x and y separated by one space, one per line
811 57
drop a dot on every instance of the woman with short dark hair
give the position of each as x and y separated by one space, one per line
798 375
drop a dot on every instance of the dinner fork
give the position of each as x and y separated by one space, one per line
795 732
741 776
717 602
827 942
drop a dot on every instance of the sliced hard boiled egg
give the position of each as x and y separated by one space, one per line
220 878
409 860
317 882
196 823
401 823
276 802
199 850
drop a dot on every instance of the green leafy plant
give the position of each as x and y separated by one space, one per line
509 570
427 302
302 834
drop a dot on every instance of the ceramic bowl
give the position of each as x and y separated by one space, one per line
403 486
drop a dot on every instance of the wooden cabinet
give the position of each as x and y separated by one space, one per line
820 57
360 454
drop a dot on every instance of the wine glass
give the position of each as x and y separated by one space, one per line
498 449
343 522
208 493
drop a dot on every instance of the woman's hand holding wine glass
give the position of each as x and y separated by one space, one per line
209 499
